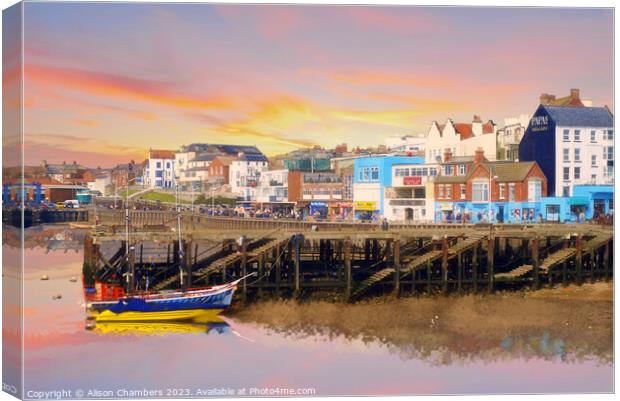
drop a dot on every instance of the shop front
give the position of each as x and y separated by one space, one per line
319 210
339 210
365 210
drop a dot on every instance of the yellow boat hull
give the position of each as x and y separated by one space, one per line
194 315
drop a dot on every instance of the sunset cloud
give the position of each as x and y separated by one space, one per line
282 77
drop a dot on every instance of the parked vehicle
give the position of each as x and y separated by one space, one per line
71 204
60 205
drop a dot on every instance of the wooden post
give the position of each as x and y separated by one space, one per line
187 260
278 262
564 278
459 267
593 261
141 253
298 240
244 269
578 259
347 267
606 261
261 270
168 255
490 267
428 277
535 261
474 266
367 250
444 264
396 256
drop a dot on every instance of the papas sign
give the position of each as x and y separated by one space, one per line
412 180
539 123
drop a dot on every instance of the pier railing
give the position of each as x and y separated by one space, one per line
151 218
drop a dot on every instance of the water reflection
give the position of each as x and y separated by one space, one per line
216 326
391 359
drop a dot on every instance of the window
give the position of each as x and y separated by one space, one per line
534 189
441 191
566 154
593 160
366 174
577 155
463 189
480 192
593 136
374 173
502 191
158 165
511 192
565 135
449 191
577 173
461 169
577 135
168 165
565 191
608 153
609 134
447 170
593 177
566 174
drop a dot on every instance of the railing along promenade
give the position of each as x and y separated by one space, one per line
189 221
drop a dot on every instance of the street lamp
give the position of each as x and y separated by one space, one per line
491 178
178 208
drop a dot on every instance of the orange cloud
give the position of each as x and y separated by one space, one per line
87 123
99 83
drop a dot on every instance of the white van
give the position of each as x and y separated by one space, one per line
72 204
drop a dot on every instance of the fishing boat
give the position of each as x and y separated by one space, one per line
189 305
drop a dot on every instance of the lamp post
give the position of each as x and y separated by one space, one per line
491 178
178 209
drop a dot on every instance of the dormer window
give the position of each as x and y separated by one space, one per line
462 169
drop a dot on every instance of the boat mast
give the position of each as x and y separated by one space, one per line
178 207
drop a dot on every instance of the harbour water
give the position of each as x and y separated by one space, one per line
239 358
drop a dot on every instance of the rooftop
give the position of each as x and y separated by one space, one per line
595 117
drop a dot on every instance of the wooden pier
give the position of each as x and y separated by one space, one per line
347 261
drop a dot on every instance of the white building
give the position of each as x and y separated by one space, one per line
411 196
100 183
273 187
510 135
572 145
407 143
462 139
159 172
245 172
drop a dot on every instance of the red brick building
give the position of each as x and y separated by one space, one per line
463 186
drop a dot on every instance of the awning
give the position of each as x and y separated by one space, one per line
578 200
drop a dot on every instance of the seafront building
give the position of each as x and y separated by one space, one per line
572 145
487 191
406 143
411 197
372 175
159 171
316 194
462 139
509 137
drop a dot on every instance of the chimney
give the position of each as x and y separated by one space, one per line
479 157
447 155
477 119
574 94
546 98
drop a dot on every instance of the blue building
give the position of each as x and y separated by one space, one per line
588 201
572 145
372 175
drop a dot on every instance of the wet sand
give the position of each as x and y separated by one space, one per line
572 323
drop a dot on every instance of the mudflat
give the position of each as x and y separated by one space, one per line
574 322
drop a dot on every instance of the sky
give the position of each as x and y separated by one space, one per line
104 82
